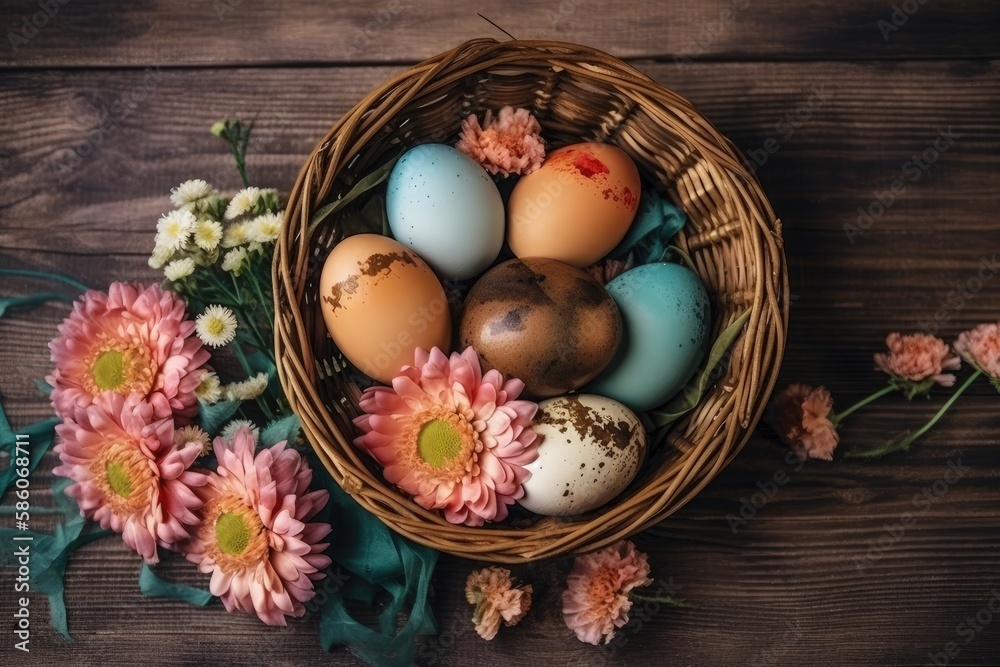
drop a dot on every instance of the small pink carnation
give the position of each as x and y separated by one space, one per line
496 598
981 347
800 415
596 600
129 340
510 143
129 474
918 357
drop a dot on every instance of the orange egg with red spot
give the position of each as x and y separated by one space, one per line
576 207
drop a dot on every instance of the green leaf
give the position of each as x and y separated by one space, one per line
152 585
912 389
45 275
689 397
370 219
285 429
32 300
364 185
212 417
44 388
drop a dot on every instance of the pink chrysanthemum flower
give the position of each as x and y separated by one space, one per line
981 348
496 598
129 474
254 538
130 340
918 357
452 437
596 600
800 415
510 143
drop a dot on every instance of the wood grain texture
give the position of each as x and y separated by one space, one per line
88 155
226 32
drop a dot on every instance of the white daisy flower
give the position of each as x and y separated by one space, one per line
207 235
216 326
233 427
209 390
160 257
188 434
265 228
233 261
236 234
246 390
174 229
242 202
179 268
188 192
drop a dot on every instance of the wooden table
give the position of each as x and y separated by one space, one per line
105 107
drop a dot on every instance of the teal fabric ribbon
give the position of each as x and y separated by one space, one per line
656 222
380 565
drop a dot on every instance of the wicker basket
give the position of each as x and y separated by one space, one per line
578 94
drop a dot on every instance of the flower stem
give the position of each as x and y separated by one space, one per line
672 601
903 444
860 404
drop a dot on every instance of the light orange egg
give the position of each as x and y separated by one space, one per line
576 207
380 302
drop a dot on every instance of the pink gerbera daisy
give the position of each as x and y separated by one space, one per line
254 538
596 600
130 340
129 474
452 437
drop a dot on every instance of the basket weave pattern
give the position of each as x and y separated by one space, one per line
578 94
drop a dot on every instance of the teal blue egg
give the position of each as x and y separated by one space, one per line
667 320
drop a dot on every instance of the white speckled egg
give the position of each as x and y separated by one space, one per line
591 448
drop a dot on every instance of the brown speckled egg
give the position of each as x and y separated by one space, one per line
544 322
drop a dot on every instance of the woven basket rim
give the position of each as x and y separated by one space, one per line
716 169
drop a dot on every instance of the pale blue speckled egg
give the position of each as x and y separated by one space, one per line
441 204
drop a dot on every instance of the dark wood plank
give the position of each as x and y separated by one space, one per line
223 32
116 141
